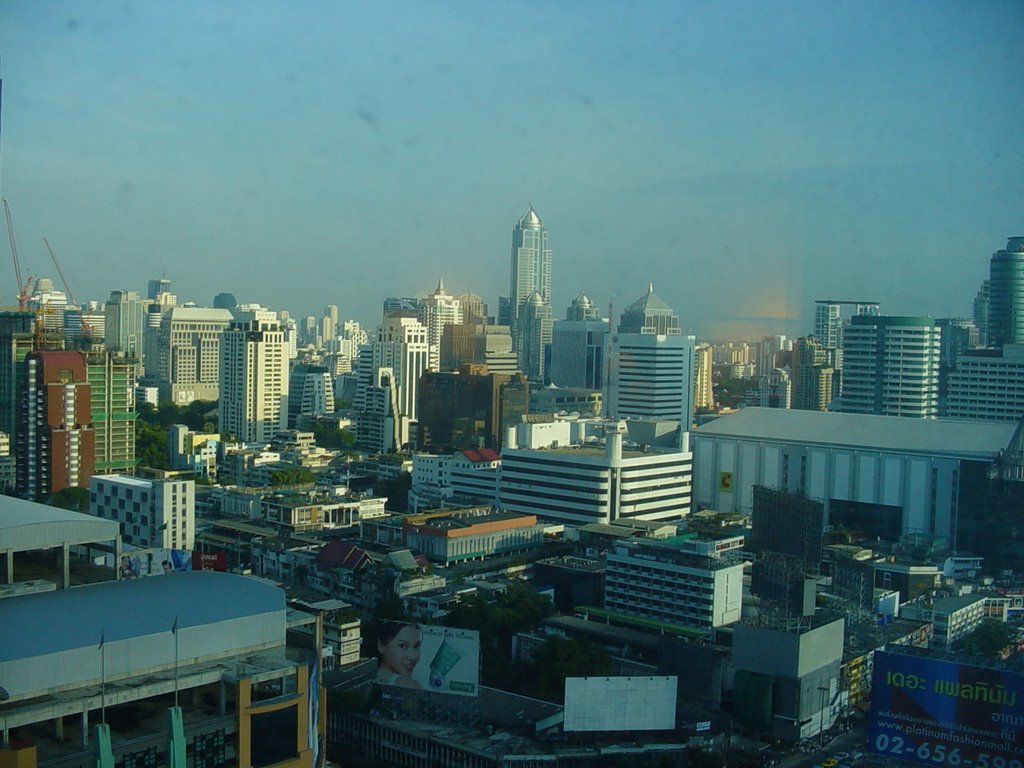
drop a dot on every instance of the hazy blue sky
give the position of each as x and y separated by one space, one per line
748 157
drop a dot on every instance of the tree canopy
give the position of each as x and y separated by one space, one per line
991 638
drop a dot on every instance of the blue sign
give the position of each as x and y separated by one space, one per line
941 713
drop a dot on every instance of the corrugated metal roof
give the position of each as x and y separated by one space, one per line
26 525
968 439
50 622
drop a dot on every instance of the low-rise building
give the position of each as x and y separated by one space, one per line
159 513
471 534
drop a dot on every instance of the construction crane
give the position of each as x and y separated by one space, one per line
24 289
86 328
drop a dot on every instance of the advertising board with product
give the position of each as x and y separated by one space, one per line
427 657
943 713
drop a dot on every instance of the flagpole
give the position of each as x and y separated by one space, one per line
174 631
103 677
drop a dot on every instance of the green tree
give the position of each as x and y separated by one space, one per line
559 658
74 498
396 491
295 476
151 445
990 638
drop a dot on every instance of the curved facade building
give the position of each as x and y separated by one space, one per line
1006 295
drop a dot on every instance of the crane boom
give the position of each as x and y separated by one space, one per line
86 328
22 291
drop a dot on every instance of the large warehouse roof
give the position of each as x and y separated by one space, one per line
26 525
967 439
38 624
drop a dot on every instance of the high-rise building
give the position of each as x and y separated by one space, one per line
17 340
112 382
469 409
123 330
703 388
188 349
473 308
812 375
478 344
438 310
980 310
987 384
225 301
652 365
57 445
253 376
1006 298
578 347
310 393
776 389
400 347
891 366
531 273
535 324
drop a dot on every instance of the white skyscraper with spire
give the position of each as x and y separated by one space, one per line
436 311
531 274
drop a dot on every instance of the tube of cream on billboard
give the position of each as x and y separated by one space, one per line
445 658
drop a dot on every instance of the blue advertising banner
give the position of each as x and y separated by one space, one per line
941 713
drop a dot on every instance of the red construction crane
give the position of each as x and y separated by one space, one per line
24 289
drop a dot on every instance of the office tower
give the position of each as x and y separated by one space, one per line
51 306
468 409
776 389
401 306
959 336
531 274
987 384
478 344
582 308
812 375
17 340
253 376
771 353
188 350
891 366
310 393
980 310
379 426
703 388
225 301
112 406
123 332
438 310
578 347
534 323
1006 295
57 446
156 287
652 365
829 316
473 309
400 347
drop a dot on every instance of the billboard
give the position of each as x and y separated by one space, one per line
942 713
430 658
620 703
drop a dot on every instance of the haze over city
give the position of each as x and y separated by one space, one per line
748 159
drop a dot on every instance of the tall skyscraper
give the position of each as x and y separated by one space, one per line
401 348
703 388
531 273
812 375
112 403
980 309
436 311
535 326
652 365
578 347
891 366
1006 297
123 331
253 376
310 393
57 445
473 309
17 340
188 350
776 389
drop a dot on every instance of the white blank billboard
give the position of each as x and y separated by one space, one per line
620 703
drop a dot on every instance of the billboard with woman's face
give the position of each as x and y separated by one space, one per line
427 657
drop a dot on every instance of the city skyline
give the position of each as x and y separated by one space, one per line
746 160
